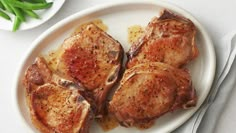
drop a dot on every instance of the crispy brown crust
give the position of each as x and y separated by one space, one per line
37 74
56 105
147 91
93 59
56 109
169 39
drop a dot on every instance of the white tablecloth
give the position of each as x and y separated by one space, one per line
217 16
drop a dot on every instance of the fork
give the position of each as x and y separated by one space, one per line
219 81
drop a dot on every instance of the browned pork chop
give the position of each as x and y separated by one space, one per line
169 39
147 91
92 59
56 105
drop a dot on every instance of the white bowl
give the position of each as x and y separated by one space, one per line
30 23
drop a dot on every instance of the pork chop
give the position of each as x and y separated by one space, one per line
56 104
148 91
93 59
169 39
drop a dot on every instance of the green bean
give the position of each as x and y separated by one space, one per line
42 1
7 6
30 13
20 8
36 1
4 15
16 24
18 13
1 6
30 6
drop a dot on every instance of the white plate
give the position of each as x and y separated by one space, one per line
118 17
30 23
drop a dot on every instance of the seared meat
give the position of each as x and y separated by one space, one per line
56 105
92 59
153 84
89 65
147 91
169 39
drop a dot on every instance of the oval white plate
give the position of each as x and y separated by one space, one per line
118 17
30 23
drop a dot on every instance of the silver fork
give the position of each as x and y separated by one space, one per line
215 89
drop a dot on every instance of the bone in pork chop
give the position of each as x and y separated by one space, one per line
92 59
169 39
148 91
56 105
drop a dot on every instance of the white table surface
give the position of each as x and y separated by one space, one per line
218 17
